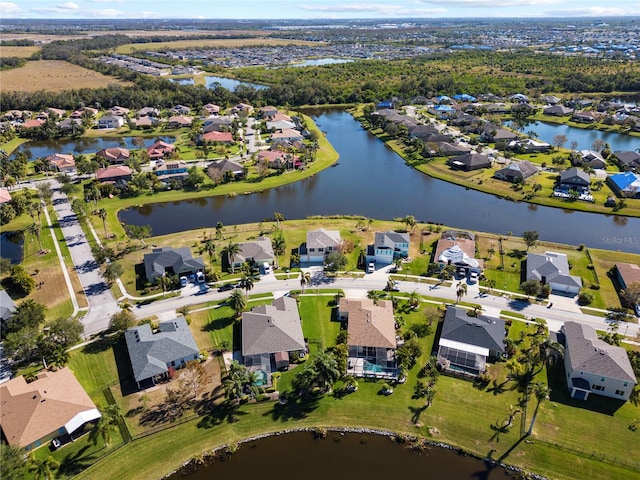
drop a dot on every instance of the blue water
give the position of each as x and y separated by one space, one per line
229 83
372 367
11 246
314 62
183 81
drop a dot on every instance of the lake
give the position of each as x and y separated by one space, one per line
373 181
11 246
314 62
230 83
183 81
84 145
585 137
348 455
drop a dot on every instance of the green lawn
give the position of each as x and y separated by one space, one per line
318 322
94 365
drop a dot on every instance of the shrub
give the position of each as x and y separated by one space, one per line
585 298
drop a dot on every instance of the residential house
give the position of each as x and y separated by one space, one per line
278 159
516 172
217 124
551 268
550 99
53 405
257 252
34 123
470 161
529 146
148 112
494 133
288 134
557 110
84 111
114 173
118 111
371 337
457 248
56 112
626 274
594 366
282 125
591 159
584 117
171 261
62 162
147 122
114 154
270 334
7 306
467 343
219 169
110 121
319 243
574 179
179 121
447 149
180 110
5 196
210 110
267 112
160 150
519 98
153 354
625 184
172 170
388 246
628 160
216 137
242 108
69 124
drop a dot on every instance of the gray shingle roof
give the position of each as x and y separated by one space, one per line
551 267
483 331
151 353
390 238
576 176
272 328
322 238
259 250
6 305
587 353
177 259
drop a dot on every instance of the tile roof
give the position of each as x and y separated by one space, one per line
272 328
369 325
113 171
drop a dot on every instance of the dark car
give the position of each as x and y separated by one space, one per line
226 287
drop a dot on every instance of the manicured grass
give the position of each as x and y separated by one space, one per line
52 75
95 365
319 325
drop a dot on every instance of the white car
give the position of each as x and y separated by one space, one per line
371 267
473 277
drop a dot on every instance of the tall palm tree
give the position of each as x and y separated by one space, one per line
327 371
461 291
237 301
165 283
305 279
43 468
414 300
491 284
235 381
232 249
114 413
210 247
246 282
541 392
278 217
101 429
95 195
102 213
35 229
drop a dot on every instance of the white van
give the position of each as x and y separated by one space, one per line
371 267
266 267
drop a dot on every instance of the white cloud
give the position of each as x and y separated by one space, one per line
68 6
389 10
493 3
107 1
9 8
593 12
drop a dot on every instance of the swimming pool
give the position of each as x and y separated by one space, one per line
261 378
372 367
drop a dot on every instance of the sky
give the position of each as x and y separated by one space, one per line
314 9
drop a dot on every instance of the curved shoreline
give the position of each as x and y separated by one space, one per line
203 458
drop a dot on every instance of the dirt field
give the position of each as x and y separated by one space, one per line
22 52
230 42
54 75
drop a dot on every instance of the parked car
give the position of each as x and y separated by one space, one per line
371 267
200 277
473 277
226 287
183 281
55 444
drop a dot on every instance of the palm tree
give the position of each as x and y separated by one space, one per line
35 229
219 230
102 213
210 247
305 279
235 381
414 300
43 468
409 222
237 302
102 429
551 351
125 306
278 217
491 284
461 290
94 193
327 372
114 413
165 283
541 392
246 282
391 284
232 249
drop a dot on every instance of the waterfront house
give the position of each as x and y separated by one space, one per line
51 406
591 159
288 134
160 150
219 169
594 366
574 179
388 246
172 170
457 248
319 243
628 160
256 252
62 162
626 274
557 110
113 155
470 161
516 171
110 122
467 343
179 121
171 261
584 117
270 334
371 337
551 268
153 354
625 184
529 145
114 173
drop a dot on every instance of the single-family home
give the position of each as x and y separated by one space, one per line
5 196
625 184
467 343
470 161
62 162
180 110
457 248
551 268
209 109
172 170
550 99
110 121
584 117
160 150
218 169
319 243
148 112
179 121
494 133
118 111
447 149
153 354
519 98
277 159
594 366
516 171
574 179
270 334
69 124
590 158
628 160
557 110
217 124
33 123
529 145
171 261
216 137
114 173
275 125
242 108
626 274
7 306
288 134
388 246
84 112
54 405
114 154
267 112
147 122
371 337
56 112
257 252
